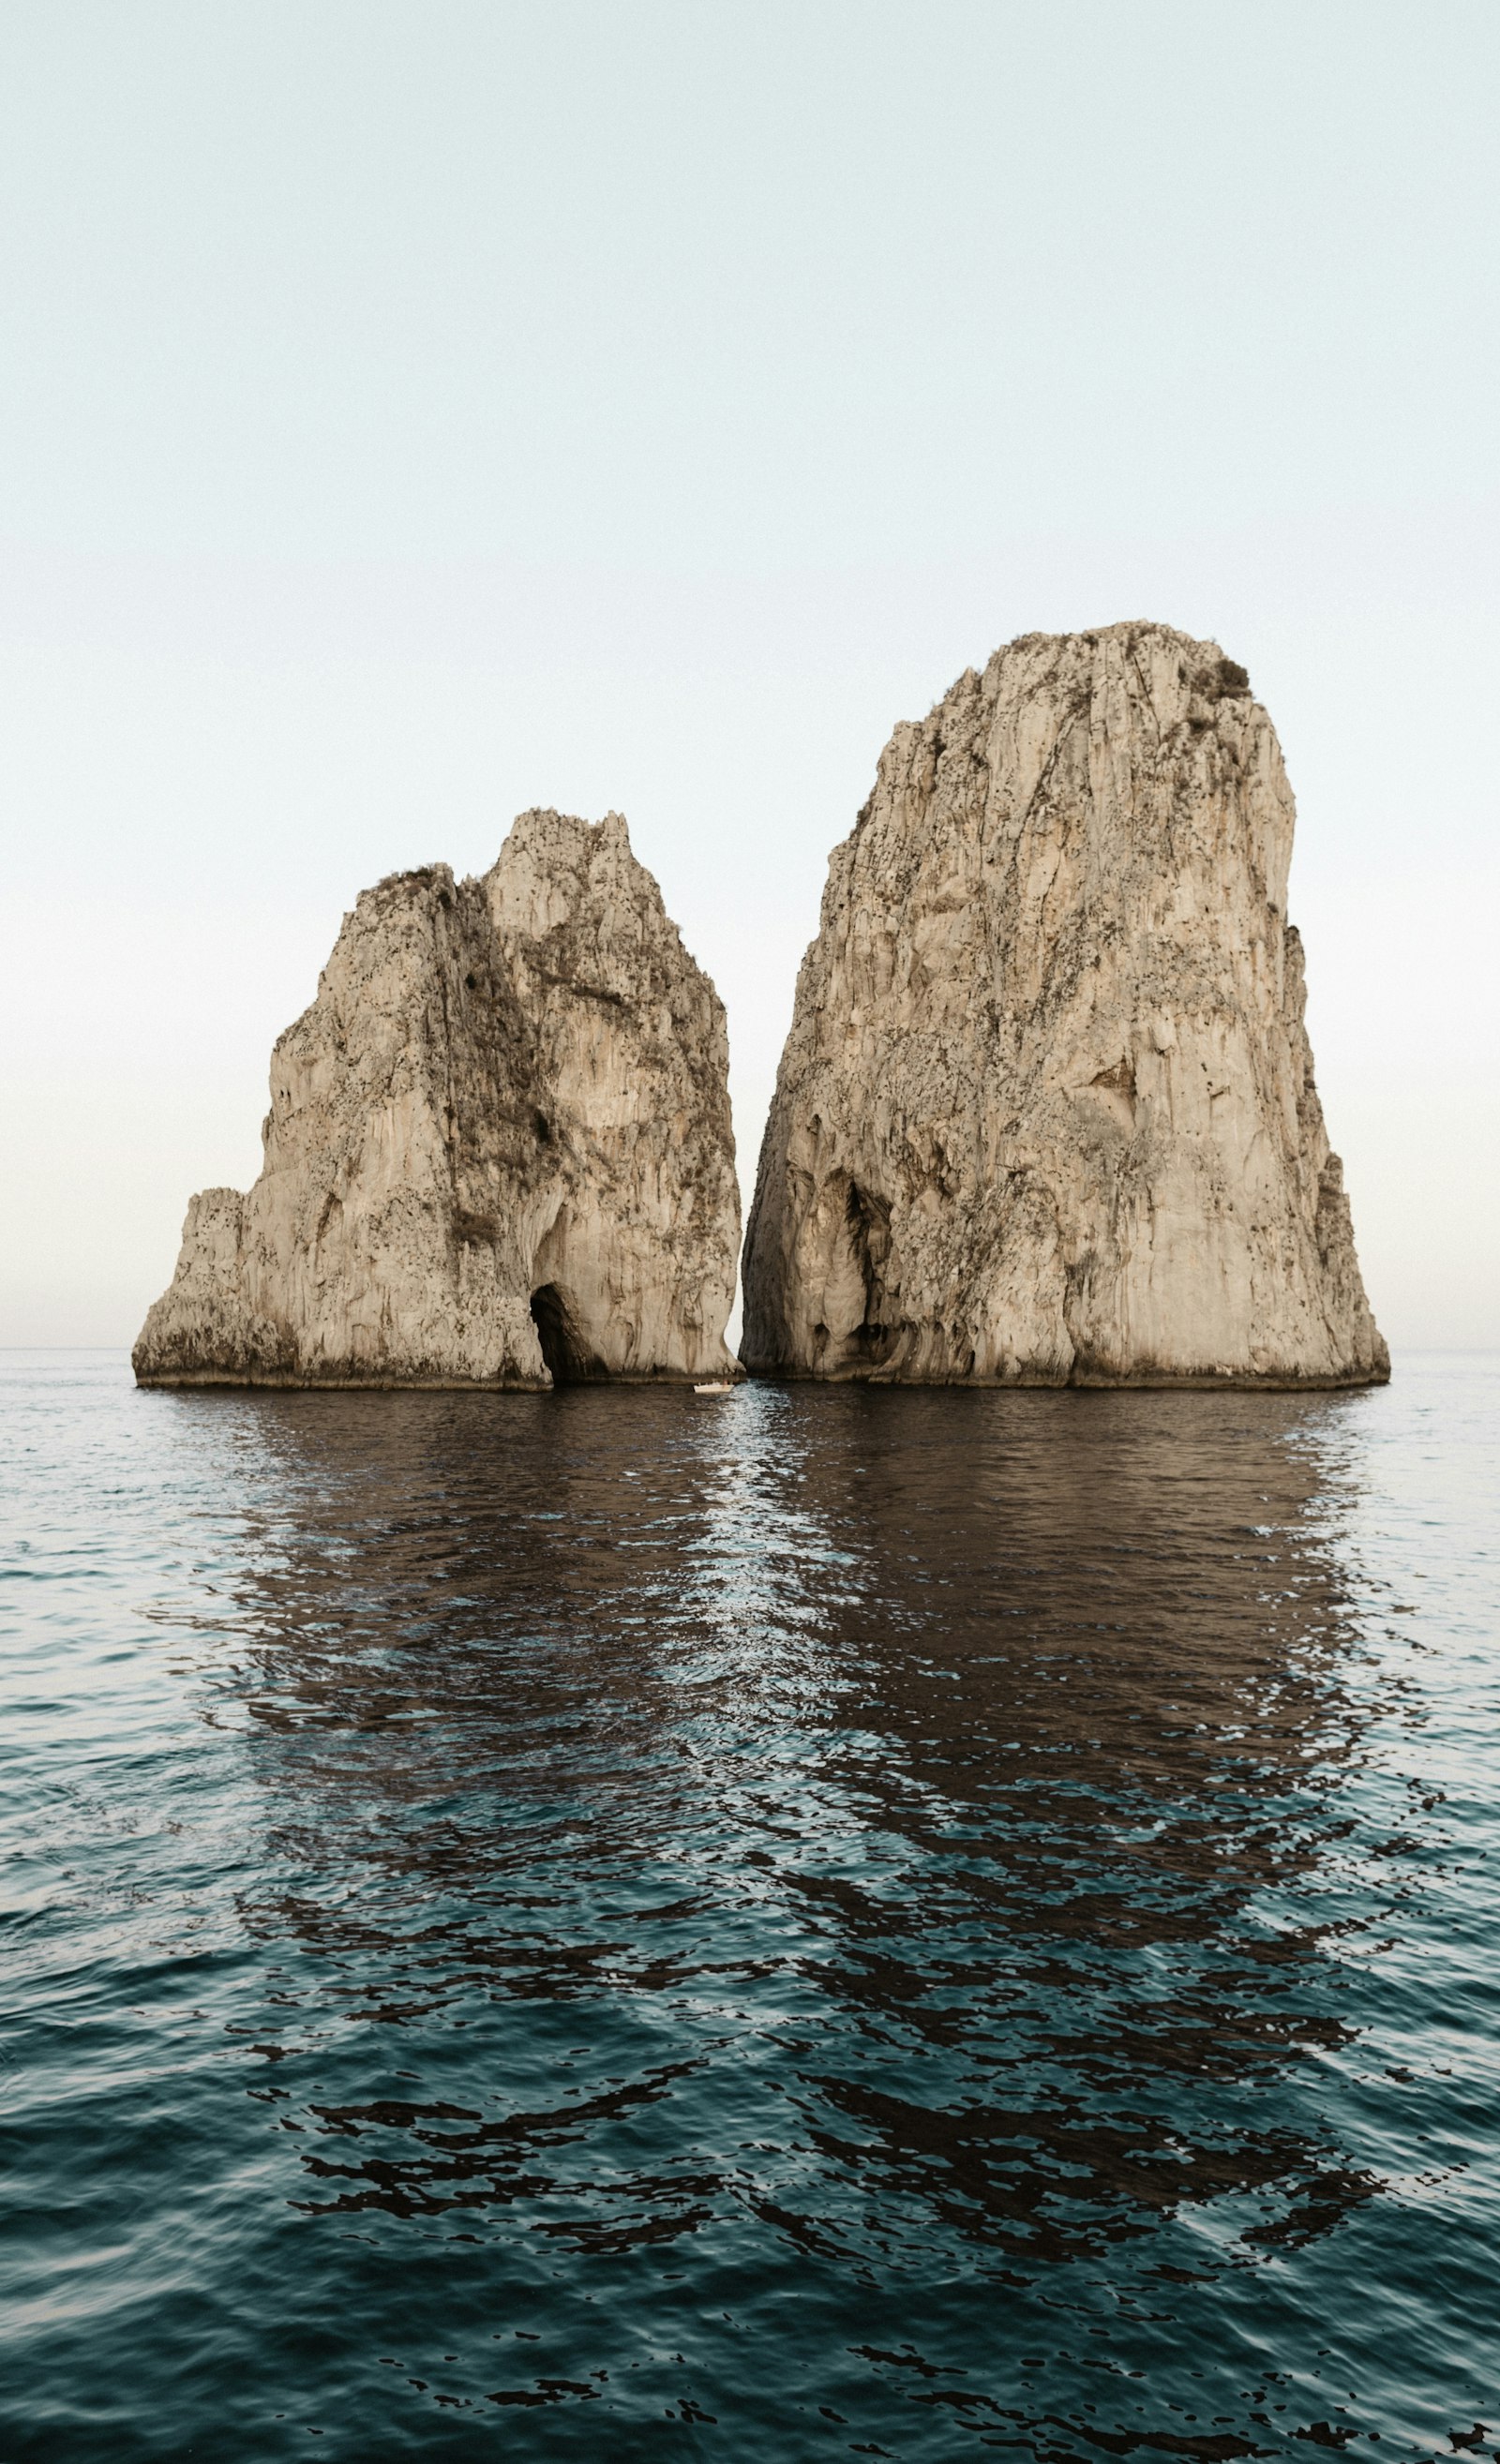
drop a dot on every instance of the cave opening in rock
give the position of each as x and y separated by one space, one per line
869 1224
563 1348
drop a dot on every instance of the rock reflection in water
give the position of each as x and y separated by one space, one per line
1101 1661
811 1921
930 1761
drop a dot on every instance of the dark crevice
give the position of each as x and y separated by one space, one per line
868 1221
563 1348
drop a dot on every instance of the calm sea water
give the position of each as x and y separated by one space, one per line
807 1924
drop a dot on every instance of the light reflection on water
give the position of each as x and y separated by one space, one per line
806 1922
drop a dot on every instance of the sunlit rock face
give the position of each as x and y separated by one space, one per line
498 1150
1046 1112
642 1247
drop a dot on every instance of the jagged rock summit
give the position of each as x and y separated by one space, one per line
1046 1112
498 1150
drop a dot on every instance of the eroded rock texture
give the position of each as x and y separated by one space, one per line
1047 1111
498 1149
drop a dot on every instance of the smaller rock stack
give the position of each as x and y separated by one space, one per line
498 1150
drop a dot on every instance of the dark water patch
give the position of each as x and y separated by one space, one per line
803 1923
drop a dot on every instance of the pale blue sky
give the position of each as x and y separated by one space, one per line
412 412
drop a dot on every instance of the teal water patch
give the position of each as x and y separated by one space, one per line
800 1923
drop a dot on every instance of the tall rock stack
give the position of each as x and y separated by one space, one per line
1046 1112
498 1150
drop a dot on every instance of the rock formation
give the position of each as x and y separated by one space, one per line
498 1149
1046 1112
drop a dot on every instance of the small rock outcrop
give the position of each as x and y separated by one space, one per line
498 1150
1046 1112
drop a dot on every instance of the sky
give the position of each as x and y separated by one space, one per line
411 412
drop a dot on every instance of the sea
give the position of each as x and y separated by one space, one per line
806 1922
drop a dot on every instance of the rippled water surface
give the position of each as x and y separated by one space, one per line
804 1923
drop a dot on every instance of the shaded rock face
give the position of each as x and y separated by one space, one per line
498 1150
1046 1112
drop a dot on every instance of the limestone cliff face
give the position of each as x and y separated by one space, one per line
499 1148
1046 1112
640 1257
